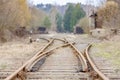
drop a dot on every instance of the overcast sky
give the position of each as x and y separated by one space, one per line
63 2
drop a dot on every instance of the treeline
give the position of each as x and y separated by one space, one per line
17 13
62 23
45 7
16 16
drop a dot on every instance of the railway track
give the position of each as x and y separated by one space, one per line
31 66
99 69
59 59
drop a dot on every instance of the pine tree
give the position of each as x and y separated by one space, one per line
79 12
59 22
47 22
68 18
72 16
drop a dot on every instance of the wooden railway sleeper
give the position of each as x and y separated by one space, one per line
21 75
94 75
80 56
22 68
44 54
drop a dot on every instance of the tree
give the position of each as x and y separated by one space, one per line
23 13
109 13
109 10
47 22
68 17
59 22
72 16
37 17
80 13
115 20
13 13
84 24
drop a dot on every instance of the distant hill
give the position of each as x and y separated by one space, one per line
45 7
61 9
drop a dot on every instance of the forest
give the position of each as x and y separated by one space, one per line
19 13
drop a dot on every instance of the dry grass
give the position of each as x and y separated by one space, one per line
109 50
14 54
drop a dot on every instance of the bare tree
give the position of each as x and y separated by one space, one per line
12 14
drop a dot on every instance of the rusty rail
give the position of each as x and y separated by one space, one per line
45 54
45 39
99 73
80 56
60 40
20 73
23 68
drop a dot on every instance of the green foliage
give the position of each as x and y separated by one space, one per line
68 18
72 16
59 22
79 12
47 22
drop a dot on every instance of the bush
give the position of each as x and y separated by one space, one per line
84 24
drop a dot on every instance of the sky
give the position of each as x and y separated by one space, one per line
63 2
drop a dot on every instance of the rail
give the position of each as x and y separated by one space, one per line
21 72
45 54
22 69
80 56
45 39
99 73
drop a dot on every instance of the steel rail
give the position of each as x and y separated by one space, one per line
99 73
82 59
60 40
36 56
45 39
11 77
80 56
22 68
45 54
53 39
